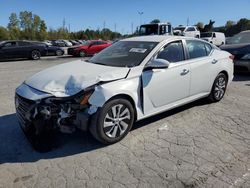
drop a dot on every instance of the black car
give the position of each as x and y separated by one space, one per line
22 49
239 46
54 50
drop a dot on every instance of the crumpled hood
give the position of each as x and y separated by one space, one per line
70 78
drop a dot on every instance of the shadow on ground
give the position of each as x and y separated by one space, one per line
14 147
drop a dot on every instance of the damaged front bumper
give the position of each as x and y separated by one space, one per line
41 111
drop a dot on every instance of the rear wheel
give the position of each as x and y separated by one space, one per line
35 55
219 88
113 121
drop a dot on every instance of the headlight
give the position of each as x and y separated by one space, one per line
246 57
86 96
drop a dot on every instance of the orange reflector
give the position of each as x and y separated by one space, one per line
86 98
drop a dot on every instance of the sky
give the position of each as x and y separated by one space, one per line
123 15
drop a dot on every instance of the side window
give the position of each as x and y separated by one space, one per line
10 44
196 49
208 48
22 43
173 52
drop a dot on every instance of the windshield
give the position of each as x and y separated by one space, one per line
239 38
149 29
124 54
205 35
179 28
86 43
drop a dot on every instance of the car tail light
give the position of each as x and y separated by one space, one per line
231 57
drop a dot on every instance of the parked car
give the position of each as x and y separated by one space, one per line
74 42
131 80
61 43
188 31
21 49
239 46
88 48
54 50
216 38
156 29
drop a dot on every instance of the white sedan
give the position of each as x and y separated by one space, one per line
131 80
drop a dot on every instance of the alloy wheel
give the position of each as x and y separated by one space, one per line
220 87
117 121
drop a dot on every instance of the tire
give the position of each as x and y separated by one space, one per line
35 55
82 53
219 88
116 127
197 36
59 52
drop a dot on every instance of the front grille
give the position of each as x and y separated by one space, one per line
22 107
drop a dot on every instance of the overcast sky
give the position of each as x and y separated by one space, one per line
94 14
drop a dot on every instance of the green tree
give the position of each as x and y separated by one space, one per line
209 27
155 21
230 23
200 26
26 23
4 35
42 31
13 27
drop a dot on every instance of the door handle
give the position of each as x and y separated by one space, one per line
184 72
214 61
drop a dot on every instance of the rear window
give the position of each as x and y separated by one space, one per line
196 49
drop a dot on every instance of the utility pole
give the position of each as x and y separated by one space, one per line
115 27
132 28
64 23
104 24
69 27
140 13
188 21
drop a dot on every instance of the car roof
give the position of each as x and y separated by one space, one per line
154 38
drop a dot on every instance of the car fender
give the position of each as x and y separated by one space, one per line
104 92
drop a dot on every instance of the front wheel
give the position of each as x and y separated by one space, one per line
219 88
82 53
35 55
113 121
59 52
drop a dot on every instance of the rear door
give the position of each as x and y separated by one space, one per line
202 64
23 49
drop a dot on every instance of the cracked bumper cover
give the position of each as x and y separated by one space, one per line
33 109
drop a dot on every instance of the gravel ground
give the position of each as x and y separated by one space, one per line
197 145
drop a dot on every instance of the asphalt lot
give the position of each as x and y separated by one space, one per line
197 145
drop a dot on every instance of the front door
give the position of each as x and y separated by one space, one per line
162 87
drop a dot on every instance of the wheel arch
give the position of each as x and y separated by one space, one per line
127 97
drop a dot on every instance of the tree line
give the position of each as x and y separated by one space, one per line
229 29
29 26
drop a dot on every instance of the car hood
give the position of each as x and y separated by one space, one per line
70 78
234 46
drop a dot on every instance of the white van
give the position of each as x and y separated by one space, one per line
216 38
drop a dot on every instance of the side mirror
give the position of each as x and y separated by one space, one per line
158 64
